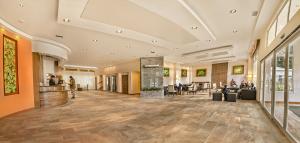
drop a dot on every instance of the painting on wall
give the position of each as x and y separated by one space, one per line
238 69
10 66
183 72
200 72
166 72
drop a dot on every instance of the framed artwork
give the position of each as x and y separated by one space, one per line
183 72
238 69
200 72
10 66
166 72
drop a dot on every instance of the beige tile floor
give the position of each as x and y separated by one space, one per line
99 117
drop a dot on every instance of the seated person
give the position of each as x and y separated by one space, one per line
233 83
52 80
225 91
252 87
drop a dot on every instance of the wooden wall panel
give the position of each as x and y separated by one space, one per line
219 73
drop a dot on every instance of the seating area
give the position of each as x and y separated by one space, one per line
234 93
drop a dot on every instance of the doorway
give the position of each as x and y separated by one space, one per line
219 74
125 84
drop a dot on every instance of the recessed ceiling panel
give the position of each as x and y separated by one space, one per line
125 14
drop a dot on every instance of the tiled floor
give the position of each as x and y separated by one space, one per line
98 117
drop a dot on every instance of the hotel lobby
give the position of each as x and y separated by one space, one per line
149 71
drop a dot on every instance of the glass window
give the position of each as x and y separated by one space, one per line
271 33
283 17
268 82
295 6
279 85
293 119
262 65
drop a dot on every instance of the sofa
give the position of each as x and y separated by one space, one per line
247 94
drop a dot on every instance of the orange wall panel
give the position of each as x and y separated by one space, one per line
25 99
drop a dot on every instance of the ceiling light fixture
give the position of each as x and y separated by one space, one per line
154 41
119 31
234 31
66 20
194 13
233 11
152 52
95 40
21 5
194 27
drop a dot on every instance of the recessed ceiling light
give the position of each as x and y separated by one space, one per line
233 11
66 20
194 27
119 31
234 31
21 5
95 40
154 41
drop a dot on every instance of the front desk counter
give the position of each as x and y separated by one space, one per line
51 96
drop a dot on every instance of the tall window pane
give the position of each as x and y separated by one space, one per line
279 85
268 82
295 6
271 33
262 65
293 120
282 18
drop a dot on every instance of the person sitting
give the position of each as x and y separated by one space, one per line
225 91
252 87
233 83
52 80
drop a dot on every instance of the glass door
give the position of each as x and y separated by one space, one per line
262 71
268 77
279 85
293 115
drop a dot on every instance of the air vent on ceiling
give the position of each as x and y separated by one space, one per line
71 69
59 36
220 53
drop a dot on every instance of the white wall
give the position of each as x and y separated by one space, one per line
175 74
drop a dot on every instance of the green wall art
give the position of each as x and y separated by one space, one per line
183 72
238 69
166 72
10 66
200 72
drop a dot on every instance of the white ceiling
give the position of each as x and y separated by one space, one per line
162 26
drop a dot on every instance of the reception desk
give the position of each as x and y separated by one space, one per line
51 96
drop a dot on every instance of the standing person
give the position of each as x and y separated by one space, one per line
72 87
225 92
